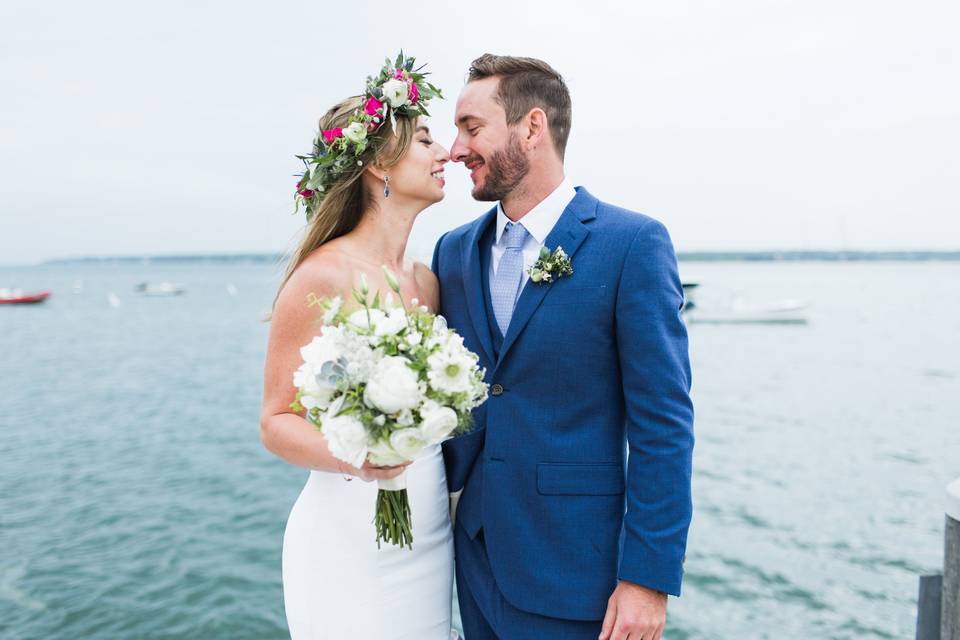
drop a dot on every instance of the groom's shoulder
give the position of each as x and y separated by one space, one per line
465 229
616 218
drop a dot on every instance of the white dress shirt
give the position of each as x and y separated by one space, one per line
539 222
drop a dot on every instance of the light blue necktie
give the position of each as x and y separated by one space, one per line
506 282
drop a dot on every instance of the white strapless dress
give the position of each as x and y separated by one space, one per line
338 586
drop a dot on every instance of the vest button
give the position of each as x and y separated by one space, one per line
496 389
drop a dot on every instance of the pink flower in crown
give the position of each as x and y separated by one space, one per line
306 193
398 74
373 106
332 134
414 94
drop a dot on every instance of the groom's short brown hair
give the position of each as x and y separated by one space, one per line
526 83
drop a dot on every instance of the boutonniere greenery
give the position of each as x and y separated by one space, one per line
550 266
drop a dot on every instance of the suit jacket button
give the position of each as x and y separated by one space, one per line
496 389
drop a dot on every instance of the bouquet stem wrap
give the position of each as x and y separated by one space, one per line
392 518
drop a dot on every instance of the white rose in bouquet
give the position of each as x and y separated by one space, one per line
366 319
393 386
408 443
382 454
393 323
316 385
437 422
346 437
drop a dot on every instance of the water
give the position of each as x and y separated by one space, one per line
137 502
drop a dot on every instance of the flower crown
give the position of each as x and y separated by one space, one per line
398 90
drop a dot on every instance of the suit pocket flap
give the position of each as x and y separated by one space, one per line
576 479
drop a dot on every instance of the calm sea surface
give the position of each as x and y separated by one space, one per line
136 500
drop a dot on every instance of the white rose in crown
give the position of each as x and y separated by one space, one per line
395 92
393 386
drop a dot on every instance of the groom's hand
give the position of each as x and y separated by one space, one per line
634 612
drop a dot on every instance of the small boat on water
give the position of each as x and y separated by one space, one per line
160 288
18 296
739 311
784 312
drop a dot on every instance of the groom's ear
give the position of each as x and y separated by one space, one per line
537 128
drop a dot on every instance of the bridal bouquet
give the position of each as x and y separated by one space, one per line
383 384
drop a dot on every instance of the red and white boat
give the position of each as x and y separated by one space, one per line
17 296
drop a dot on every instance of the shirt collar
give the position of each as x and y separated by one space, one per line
539 222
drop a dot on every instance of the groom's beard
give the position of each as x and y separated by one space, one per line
505 170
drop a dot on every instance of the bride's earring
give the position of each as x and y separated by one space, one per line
386 186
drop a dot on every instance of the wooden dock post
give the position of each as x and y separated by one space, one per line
928 607
950 603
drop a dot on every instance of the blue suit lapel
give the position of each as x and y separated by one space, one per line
473 281
569 233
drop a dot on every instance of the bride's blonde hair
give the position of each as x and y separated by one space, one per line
345 201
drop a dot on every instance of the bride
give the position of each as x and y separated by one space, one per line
337 583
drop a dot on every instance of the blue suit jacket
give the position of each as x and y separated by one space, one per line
579 471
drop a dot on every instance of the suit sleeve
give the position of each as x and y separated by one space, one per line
435 263
655 367
435 267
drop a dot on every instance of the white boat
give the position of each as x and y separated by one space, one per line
784 312
160 288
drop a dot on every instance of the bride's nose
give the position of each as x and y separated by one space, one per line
443 156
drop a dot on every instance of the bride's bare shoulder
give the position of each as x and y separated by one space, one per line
323 273
428 284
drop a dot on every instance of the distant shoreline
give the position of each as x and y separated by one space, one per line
682 256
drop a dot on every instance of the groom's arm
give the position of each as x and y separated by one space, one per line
655 368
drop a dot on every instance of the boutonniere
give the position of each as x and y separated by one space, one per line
550 266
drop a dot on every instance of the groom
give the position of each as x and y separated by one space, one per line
575 481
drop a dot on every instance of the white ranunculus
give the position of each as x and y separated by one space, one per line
408 443
395 92
450 371
382 454
413 338
360 320
346 437
392 386
356 132
436 424
391 324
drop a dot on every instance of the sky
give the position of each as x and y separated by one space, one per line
133 128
